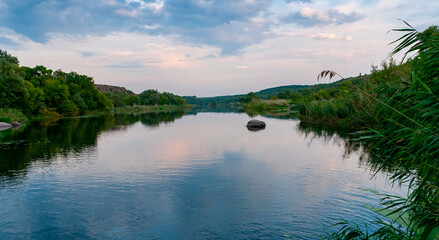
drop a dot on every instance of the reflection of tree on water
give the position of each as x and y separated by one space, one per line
352 144
38 142
154 119
219 108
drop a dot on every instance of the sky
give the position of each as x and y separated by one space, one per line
207 47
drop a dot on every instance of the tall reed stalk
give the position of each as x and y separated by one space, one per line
405 141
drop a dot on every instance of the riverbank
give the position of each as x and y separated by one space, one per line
393 117
14 115
278 108
148 109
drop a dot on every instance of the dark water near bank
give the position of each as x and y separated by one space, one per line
169 176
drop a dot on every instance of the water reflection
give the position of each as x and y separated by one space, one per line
204 176
351 145
42 142
343 139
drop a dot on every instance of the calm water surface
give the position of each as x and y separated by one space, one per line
169 176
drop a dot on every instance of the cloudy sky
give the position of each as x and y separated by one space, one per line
207 47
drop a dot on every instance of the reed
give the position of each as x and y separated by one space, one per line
405 142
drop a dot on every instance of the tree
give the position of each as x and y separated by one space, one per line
149 97
164 100
251 96
132 100
13 90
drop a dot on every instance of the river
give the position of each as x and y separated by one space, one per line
176 176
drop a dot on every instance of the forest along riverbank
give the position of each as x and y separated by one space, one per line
41 93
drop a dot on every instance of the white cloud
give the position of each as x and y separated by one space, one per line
156 6
127 13
152 27
327 36
163 45
314 13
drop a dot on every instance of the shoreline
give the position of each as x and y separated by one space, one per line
13 115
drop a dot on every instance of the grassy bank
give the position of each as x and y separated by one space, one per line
357 109
139 109
148 109
9 115
396 118
272 108
350 113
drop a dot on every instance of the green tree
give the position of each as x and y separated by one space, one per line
132 100
164 100
251 96
323 94
149 97
13 89
117 99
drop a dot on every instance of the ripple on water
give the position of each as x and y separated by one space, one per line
200 177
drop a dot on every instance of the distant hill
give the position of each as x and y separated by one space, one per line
276 90
227 99
113 89
265 93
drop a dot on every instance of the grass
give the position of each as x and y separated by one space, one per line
349 113
402 138
139 109
148 109
48 116
9 115
272 107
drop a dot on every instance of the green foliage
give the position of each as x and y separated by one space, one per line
10 115
405 139
390 71
13 91
149 97
118 99
146 98
349 112
34 89
250 97
289 94
353 231
132 100
222 102
174 99
278 108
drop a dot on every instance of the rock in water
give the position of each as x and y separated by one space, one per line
254 125
4 126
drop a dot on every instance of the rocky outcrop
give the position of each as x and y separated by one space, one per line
255 125
113 89
4 126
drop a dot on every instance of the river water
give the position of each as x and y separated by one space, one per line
176 176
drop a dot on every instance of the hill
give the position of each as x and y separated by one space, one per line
283 92
113 89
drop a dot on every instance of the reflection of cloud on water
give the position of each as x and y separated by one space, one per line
201 175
